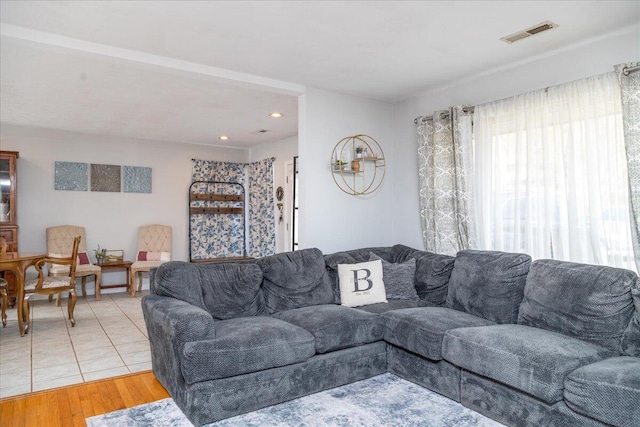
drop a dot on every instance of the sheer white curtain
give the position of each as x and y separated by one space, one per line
551 175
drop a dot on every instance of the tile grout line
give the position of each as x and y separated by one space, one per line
73 347
30 331
107 333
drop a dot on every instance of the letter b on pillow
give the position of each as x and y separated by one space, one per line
361 284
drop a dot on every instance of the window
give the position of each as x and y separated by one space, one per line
551 177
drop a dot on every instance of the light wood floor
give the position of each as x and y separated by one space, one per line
69 406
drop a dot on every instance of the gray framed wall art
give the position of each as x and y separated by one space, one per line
105 178
136 179
71 176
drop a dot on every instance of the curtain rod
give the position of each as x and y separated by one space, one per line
625 71
628 70
424 119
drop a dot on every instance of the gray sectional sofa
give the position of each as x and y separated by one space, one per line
525 343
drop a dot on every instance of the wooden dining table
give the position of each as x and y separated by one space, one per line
17 263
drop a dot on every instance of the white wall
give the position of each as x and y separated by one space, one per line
111 219
284 151
330 219
579 62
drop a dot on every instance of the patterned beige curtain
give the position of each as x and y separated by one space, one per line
630 88
445 172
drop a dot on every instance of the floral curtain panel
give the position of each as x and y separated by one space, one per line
445 169
262 227
223 235
630 92
218 236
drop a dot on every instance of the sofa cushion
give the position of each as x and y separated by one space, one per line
243 345
393 304
295 279
488 284
528 359
232 289
589 302
608 391
630 344
420 330
355 256
334 326
179 280
226 290
432 272
398 277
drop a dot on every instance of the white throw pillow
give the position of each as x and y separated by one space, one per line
361 284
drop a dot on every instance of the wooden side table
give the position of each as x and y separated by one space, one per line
114 265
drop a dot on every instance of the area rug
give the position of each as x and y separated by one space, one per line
384 400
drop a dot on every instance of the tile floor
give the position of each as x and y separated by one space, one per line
109 339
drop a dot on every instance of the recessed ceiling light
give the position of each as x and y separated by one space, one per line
276 115
223 137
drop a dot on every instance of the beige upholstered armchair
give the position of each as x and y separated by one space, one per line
154 248
60 244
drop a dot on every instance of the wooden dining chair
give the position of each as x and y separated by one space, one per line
4 301
51 285
59 241
4 285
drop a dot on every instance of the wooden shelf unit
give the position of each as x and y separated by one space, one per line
216 203
9 227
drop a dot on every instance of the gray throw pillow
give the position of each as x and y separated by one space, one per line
398 278
432 273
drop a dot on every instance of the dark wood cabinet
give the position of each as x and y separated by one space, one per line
9 210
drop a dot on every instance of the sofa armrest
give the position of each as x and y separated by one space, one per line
170 324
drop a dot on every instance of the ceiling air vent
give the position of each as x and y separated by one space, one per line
536 29
258 132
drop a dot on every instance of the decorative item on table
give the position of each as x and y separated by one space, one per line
114 255
359 151
355 165
100 254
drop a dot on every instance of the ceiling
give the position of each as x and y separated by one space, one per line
191 71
